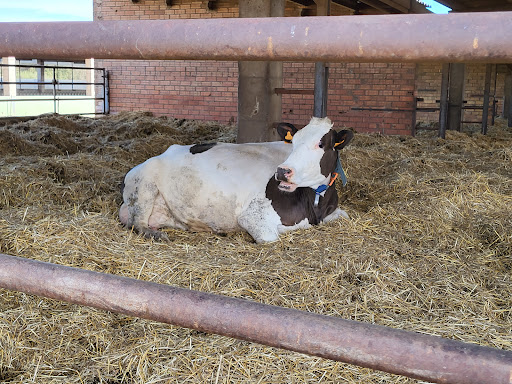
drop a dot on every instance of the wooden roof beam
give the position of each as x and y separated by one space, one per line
491 8
377 5
394 4
305 3
350 4
384 6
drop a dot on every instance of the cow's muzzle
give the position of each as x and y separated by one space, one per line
284 175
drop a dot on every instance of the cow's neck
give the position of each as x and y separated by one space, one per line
320 191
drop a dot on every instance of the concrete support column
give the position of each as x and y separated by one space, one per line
9 75
258 105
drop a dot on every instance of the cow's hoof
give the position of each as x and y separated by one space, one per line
344 214
155 234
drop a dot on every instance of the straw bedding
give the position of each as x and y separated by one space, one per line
427 248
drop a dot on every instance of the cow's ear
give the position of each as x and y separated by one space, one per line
343 138
286 131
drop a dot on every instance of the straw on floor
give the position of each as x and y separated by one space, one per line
427 248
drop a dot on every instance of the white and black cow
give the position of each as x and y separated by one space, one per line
262 188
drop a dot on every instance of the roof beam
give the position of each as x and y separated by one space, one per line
491 8
305 3
377 5
350 4
396 5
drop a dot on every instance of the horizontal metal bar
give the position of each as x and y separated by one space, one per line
427 109
381 109
406 353
483 37
288 91
473 107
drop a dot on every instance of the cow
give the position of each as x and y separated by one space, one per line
265 189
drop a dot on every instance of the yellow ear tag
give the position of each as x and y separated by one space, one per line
288 136
341 142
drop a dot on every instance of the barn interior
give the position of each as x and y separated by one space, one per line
427 248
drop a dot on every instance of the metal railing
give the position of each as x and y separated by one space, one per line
58 89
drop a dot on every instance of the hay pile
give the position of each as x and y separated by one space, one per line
427 249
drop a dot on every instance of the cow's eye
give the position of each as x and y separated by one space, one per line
320 145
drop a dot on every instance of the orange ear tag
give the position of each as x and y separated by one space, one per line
288 137
341 142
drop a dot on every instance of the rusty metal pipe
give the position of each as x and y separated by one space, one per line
484 37
405 353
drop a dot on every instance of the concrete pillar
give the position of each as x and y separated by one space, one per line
258 105
456 95
9 75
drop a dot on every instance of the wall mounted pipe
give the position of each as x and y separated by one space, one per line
483 37
405 353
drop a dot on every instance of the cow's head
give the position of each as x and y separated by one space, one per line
314 155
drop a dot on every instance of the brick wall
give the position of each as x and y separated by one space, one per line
200 90
203 90
370 86
428 87
474 91
207 90
158 10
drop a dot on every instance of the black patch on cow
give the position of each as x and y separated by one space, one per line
200 148
332 142
293 207
330 156
123 185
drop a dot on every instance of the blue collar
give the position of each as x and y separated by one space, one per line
320 191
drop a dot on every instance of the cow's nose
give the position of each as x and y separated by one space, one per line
284 174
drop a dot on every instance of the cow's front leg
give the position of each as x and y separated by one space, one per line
335 215
260 220
304 224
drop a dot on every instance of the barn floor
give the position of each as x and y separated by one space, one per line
428 248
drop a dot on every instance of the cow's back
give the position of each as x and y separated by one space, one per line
207 187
